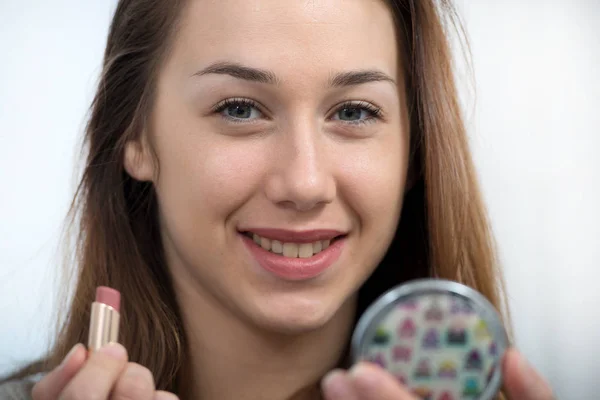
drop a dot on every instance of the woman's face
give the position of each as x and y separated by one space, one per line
284 122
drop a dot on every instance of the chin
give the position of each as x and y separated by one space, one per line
294 314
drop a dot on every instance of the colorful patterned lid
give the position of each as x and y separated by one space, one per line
442 339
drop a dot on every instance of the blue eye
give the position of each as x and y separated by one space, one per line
357 113
352 114
238 110
245 110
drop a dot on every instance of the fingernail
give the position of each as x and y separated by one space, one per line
336 385
69 355
114 350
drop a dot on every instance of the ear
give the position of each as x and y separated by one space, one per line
138 161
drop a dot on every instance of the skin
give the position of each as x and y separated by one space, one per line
297 162
296 167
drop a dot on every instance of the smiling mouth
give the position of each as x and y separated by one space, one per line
292 249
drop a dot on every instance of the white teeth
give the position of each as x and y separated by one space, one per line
317 247
305 250
293 250
265 243
290 250
276 247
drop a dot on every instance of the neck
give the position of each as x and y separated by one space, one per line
231 359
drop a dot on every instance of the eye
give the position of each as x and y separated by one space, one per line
238 110
357 112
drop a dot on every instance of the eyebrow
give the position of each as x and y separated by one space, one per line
338 80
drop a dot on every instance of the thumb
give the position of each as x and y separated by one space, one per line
521 381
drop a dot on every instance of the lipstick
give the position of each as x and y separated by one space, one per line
104 320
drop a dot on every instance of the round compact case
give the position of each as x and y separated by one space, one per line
441 339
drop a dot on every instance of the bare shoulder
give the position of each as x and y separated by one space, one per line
17 390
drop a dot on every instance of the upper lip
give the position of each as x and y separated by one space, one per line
289 236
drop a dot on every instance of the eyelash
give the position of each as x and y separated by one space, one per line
374 111
220 107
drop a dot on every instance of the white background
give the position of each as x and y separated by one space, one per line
534 131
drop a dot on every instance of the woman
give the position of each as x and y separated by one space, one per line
218 124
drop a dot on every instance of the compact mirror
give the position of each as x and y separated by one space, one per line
442 339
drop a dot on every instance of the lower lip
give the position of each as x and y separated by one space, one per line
295 269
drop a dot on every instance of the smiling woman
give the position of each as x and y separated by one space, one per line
257 174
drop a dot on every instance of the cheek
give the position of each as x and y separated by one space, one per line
203 176
203 179
373 183
372 188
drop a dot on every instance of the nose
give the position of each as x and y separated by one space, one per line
301 177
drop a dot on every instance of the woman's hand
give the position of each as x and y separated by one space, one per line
104 375
369 382
365 381
521 381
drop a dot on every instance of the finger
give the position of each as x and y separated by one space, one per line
55 381
337 386
374 383
160 395
135 383
98 375
521 381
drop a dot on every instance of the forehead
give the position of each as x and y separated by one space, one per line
289 36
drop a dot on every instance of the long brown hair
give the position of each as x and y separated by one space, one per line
443 231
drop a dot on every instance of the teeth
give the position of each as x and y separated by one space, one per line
265 243
293 250
290 250
317 247
305 250
276 247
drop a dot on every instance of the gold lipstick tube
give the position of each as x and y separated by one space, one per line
104 326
